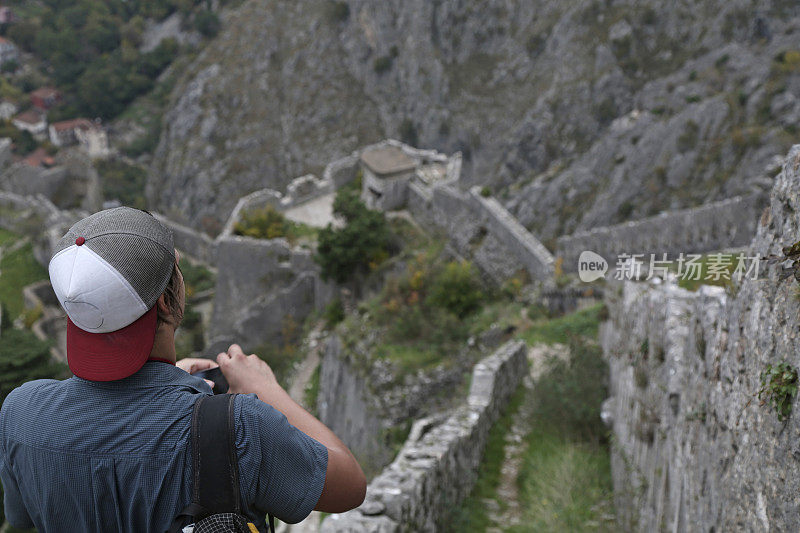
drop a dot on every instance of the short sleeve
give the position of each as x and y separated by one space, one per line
281 469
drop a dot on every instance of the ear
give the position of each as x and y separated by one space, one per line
163 309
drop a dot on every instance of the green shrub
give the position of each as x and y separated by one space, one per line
688 138
358 247
207 23
263 223
382 64
456 289
333 313
779 388
24 143
337 11
197 278
486 192
23 357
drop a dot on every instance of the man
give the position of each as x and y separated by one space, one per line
107 450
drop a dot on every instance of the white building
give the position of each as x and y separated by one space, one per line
386 173
89 134
8 52
32 121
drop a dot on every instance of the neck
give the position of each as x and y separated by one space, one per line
164 344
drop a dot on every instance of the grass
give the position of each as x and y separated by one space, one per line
471 514
565 485
6 237
559 330
311 391
564 480
411 357
709 266
17 269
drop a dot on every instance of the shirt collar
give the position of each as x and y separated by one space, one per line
155 374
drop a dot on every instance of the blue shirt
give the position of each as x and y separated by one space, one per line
78 455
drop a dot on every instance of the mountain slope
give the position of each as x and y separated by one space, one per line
528 91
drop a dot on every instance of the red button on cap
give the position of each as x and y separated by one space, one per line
80 240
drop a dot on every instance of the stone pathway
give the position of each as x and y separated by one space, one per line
296 392
316 213
514 448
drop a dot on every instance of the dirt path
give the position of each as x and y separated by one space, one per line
514 448
306 370
296 391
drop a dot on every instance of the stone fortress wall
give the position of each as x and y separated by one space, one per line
716 226
438 464
694 447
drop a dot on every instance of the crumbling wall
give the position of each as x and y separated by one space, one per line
264 288
36 218
437 467
716 226
693 447
196 244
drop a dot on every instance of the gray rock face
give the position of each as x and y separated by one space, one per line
694 449
579 113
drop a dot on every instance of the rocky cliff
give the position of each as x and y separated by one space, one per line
577 113
694 449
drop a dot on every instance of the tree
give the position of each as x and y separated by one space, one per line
23 357
359 246
207 23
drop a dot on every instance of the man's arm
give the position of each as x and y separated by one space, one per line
345 483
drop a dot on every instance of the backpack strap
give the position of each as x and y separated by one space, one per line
214 455
214 459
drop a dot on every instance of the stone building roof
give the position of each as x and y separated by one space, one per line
76 123
387 161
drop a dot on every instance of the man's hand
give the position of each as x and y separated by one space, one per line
245 373
195 364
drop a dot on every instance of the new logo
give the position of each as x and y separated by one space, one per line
591 266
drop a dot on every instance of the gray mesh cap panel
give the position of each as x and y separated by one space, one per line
133 242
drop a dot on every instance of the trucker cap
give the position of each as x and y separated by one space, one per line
108 272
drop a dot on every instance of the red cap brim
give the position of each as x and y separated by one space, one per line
114 355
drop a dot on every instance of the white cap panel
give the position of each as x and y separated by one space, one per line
96 297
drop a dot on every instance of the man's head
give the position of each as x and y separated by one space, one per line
109 273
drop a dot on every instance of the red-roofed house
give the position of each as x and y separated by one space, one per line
90 135
8 52
45 97
32 121
39 158
63 133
